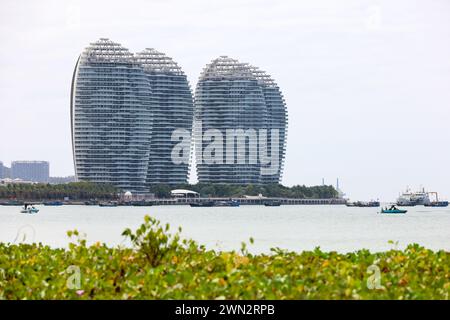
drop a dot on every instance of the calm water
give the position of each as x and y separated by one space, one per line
289 227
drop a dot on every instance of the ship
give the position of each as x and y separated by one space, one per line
440 204
420 198
436 202
362 204
411 199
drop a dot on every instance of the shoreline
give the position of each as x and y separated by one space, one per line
181 201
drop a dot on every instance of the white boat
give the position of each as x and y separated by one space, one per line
409 198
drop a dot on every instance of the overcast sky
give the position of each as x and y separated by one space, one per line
367 83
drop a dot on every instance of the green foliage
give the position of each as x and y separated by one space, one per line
162 266
269 190
154 241
89 190
161 191
73 190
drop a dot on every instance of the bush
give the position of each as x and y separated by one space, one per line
163 266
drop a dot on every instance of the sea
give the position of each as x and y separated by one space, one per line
290 227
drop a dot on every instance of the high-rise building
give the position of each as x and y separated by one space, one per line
172 109
276 119
1 171
122 109
233 96
35 171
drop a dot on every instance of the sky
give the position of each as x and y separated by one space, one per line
367 83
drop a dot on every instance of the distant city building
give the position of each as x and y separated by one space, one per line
123 110
34 171
6 172
231 95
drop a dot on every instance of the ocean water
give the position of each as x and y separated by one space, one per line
296 228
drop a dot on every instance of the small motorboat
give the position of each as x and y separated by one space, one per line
393 210
228 203
29 208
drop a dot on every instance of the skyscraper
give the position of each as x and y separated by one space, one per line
172 109
236 97
35 171
276 119
119 102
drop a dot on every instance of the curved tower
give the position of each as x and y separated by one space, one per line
227 97
173 109
277 119
234 97
111 117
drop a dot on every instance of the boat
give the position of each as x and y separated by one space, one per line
91 203
393 210
440 204
411 199
108 204
272 203
203 204
53 203
361 204
29 208
229 203
141 203
437 202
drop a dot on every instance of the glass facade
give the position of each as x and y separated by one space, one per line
173 109
117 109
231 95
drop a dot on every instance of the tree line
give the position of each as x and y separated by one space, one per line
236 191
89 190
73 190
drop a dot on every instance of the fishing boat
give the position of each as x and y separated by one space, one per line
393 210
29 208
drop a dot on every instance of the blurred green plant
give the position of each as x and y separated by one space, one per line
160 265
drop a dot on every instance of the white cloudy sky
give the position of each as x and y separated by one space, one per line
367 83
